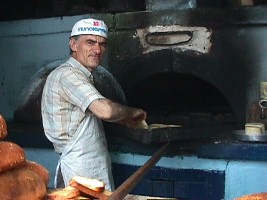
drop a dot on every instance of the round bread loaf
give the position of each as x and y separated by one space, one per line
11 156
38 169
256 196
22 184
3 128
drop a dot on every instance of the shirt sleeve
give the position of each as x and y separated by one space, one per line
78 89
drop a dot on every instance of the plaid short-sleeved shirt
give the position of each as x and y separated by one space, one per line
67 93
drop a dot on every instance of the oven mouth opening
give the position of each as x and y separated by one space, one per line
174 98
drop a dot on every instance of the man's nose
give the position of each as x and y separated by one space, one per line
97 48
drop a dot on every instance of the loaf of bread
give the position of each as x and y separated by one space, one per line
64 194
38 169
3 128
11 156
256 196
21 184
92 184
141 125
254 128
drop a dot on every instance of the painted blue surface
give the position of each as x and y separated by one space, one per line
179 183
234 150
244 177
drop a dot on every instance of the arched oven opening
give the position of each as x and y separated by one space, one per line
175 98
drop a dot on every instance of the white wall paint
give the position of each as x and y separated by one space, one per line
26 46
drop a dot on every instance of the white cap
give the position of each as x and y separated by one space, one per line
90 26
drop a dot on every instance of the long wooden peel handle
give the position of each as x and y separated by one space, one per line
134 179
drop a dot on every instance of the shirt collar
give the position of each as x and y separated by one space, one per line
75 63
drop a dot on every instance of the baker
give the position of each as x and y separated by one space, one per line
73 109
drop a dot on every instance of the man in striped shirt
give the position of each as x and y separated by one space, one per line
73 109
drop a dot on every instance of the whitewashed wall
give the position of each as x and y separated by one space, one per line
25 47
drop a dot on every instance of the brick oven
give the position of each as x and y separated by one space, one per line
182 67
208 72
199 68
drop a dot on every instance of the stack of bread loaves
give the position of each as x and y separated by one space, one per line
20 178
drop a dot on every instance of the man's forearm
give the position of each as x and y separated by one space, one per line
108 110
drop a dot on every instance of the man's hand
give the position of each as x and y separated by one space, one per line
137 121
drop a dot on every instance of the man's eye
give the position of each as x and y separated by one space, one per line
91 43
104 44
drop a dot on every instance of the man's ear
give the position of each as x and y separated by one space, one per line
72 44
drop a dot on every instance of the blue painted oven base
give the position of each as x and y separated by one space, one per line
180 183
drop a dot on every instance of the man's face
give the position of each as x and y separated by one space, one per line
88 50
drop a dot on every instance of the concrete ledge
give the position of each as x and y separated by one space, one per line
220 147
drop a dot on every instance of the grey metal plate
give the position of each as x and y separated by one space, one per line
240 135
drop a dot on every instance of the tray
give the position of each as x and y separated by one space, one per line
240 135
161 135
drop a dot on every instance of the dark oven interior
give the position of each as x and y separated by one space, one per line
175 98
